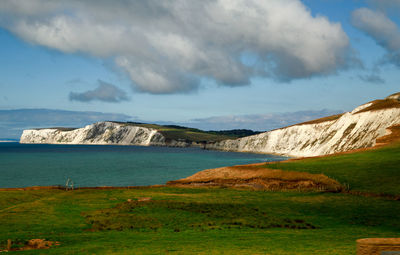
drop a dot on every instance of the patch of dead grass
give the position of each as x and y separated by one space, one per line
252 176
320 120
33 244
381 105
393 136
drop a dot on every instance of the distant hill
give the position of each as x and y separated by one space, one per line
175 132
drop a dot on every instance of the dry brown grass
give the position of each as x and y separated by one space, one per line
33 244
376 105
252 176
320 120
394 136
316 121
381 105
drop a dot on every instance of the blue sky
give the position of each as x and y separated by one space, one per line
218 60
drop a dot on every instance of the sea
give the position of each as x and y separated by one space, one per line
25 165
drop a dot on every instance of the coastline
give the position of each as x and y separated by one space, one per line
59 187
392 136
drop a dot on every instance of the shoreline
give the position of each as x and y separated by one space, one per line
59 187
392 136
163 146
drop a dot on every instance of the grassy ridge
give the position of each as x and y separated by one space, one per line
175 132
373 171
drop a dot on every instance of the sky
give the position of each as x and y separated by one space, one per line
212 64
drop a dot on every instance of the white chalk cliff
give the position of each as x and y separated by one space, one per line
352 130
98 133
104 133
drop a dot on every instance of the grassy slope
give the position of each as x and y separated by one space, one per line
193 134
374 171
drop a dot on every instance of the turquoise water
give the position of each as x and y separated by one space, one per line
23 165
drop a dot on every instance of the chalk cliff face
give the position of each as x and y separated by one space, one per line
352 130
104 133
98 133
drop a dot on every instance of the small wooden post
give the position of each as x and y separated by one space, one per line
9 244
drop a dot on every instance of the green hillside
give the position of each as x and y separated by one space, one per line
174 132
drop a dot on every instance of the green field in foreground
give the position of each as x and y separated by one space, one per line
200 221
373 171
214 220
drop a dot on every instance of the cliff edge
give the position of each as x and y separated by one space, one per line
97 133
352 130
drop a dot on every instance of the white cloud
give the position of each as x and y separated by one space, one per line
379 26
168 46
383 30
105 92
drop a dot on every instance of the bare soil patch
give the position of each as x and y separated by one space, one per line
393 136
33 244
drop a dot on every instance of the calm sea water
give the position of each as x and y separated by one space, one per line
23 165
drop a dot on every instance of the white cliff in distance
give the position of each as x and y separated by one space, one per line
352 130
98 133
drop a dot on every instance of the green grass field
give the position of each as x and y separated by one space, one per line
373 171
214 220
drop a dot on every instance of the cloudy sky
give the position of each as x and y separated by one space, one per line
214 64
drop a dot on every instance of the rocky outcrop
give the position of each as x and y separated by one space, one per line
353 130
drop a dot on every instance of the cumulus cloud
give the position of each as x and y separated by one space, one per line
260 122
105 92
169 46
12 122
383 30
